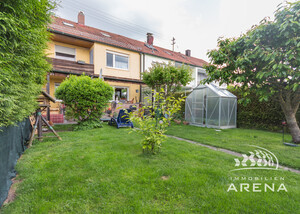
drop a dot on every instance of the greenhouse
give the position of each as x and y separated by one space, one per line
211 106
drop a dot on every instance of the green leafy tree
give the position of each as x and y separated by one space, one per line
85 99
153 121
23 64
265 61
167 76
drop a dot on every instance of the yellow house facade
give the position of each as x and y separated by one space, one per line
76 49
73 55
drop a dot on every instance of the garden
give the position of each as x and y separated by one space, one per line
159 162
104 170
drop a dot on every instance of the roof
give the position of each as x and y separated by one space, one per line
217 91
97 35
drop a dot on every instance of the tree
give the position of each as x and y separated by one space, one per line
154 123
85 99
23 64
265 60
167 76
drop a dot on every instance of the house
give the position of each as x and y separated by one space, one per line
76 49
157 54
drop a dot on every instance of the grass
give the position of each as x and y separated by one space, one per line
104 171
239 140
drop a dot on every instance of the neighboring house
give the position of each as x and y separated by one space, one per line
157 54
76 49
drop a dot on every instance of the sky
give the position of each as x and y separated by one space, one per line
195 24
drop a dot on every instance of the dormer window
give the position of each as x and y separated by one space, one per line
65 53
68 24
105 34
150 47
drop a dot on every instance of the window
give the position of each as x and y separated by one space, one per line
201 75
92 56
65 53
178 64
56 85
121 94
115 60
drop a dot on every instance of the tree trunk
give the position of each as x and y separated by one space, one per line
293 126
289 111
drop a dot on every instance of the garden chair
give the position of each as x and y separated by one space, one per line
122 120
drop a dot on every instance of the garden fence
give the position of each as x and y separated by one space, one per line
12 145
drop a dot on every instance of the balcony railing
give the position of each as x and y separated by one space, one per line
72 67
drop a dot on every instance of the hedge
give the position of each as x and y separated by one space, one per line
260 115
23 64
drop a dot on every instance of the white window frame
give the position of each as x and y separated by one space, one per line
114 59
199 70
121 87
92 56
55 50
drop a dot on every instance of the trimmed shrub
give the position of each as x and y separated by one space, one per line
85 99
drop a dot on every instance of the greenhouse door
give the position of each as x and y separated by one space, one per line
198 107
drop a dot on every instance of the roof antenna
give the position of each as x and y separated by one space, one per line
173 43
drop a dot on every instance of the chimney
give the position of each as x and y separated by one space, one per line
81 18
188 52
150 38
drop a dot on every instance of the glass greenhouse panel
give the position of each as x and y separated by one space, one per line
224 117
212 111
210 106
188 110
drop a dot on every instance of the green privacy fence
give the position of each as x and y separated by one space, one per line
12 145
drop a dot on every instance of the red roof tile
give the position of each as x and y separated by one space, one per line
97 35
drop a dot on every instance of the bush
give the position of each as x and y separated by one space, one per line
23 64
266 115
85 99
181 113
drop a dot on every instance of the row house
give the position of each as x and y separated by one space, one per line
76 48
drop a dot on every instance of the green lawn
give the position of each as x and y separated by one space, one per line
104 171
239 140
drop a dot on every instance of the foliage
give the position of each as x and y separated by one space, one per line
264 61
266 115
85 99
23 64
153 124
167 76
181 113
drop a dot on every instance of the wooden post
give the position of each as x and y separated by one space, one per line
33 132
40 128
48 91
50 127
